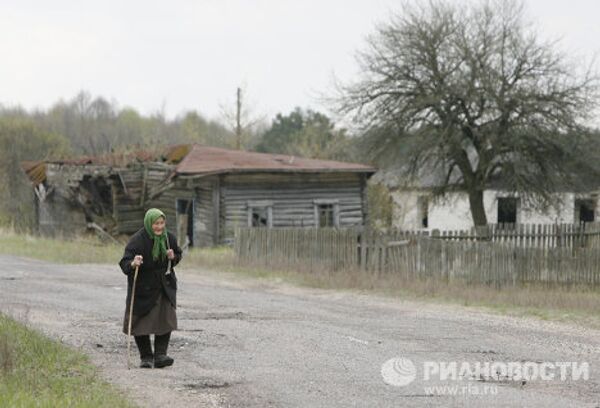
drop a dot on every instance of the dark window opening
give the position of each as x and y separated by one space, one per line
585 210
326 215
185 222
260 217
95 194
423 211
507 210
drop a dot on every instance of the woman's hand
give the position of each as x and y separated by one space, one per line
170 254
137 261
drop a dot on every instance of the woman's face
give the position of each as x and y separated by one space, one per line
159 226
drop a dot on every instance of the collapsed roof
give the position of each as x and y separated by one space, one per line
189 159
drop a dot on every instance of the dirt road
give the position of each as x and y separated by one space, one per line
244 343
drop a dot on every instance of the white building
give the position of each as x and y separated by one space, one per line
415 207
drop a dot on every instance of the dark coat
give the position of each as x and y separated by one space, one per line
151 277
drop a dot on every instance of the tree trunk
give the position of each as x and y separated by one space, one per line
477 208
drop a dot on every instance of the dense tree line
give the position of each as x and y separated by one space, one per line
94 125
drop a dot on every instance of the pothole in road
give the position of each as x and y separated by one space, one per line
180 343
224 316
480 351
207 383
503 380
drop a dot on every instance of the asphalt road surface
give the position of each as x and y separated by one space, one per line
247 343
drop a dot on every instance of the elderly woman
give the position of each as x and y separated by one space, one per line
151 248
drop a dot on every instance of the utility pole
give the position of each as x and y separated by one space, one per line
238 124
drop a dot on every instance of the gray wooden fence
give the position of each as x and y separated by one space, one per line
305 248
585 235
417 256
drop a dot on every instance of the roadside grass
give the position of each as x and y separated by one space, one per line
38 372
577 304
80 250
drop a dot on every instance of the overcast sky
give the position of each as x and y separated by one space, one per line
186 54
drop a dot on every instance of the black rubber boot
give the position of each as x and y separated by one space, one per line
161 343
145 348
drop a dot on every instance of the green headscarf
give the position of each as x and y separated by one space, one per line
159 249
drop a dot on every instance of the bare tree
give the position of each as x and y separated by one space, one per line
243 122
471 93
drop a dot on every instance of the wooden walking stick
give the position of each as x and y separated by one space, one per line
130 317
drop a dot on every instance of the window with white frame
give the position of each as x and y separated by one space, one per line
327 213
260 213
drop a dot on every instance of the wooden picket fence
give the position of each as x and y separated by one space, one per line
409 255
493 264
305 248
584 235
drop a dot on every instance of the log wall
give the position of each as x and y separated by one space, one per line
221 202
293 197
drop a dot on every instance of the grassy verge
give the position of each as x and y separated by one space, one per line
81 250
574 305
38 372
580 305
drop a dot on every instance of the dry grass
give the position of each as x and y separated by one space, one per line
83 249
210 258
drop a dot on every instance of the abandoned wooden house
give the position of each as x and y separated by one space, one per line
204 191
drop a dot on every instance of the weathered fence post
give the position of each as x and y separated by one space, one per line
363 249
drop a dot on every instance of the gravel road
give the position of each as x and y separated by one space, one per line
246 343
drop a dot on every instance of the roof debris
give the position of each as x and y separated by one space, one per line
200 159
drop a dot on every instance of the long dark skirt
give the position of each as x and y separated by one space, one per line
159 320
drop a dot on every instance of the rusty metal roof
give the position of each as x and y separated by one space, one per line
35 170
171 154
207 159
201 159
